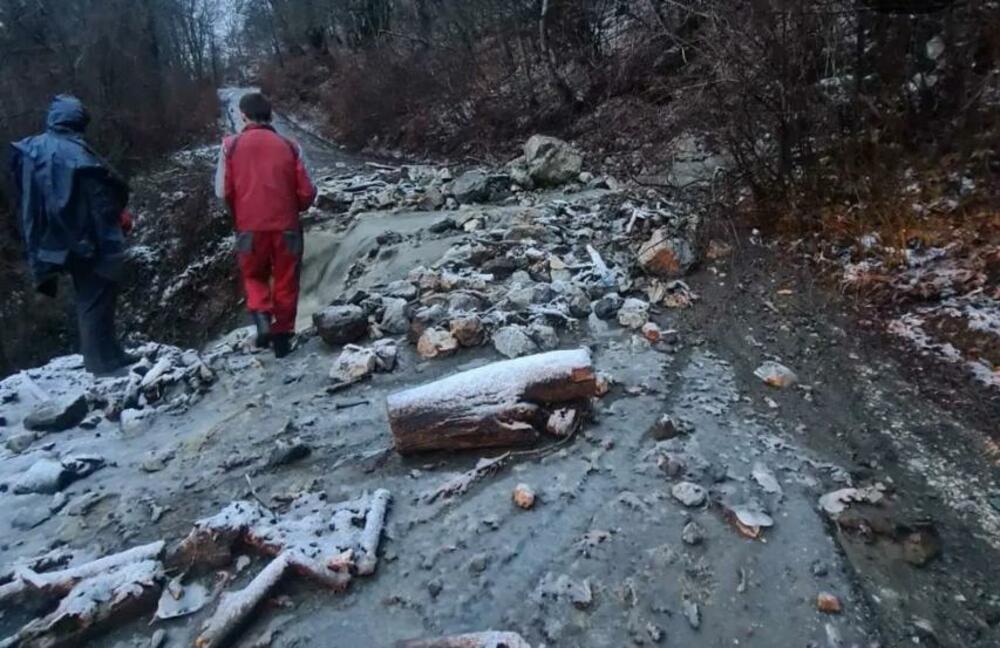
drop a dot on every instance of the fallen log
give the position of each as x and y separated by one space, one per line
497 405
488 639
58 583
94 604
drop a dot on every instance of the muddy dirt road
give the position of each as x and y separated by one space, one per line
708 535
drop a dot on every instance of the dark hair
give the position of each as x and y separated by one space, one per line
256 106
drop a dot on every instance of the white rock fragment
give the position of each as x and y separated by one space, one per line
353 364
634 313
689 494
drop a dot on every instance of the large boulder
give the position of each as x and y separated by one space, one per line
666 256
57 415
470 187
341 324
551 161
477 186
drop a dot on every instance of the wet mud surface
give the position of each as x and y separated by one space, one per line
608 556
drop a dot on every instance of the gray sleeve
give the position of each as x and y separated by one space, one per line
220 174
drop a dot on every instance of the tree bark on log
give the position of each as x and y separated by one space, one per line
489 639
58 583
497 405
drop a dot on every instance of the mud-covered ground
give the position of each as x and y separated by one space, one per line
606 556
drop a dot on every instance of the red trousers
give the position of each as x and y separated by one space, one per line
270 263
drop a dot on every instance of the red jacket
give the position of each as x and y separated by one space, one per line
262 178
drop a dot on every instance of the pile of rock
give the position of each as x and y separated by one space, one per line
62 395
547 162
517 280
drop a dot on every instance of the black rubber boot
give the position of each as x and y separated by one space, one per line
282 344
263 323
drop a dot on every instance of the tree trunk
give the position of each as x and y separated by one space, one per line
497 405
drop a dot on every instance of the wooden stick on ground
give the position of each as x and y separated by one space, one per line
235 607
374 523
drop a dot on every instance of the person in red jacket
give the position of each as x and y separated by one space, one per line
263 180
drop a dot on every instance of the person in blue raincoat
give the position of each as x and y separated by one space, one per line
72 212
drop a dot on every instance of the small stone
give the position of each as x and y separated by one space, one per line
133 420
607 307
920 547
286 452
828 603
29 517
634 313
435 343
666 256
394 320
688 494
667 427
353 364
402 289
44 476
48 475
468 330
386 354
544 336
524 496
443 225
59 501
655 632
479 563
692 613
776 374
651 332
434 587
693 534
513 341
500 267
18 443
562 422
153 462
718 249
57 415
158 639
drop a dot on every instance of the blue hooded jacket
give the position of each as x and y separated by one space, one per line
69 200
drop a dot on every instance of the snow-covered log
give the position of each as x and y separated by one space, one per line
94 604
497 405
488 639
58 583
374 523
